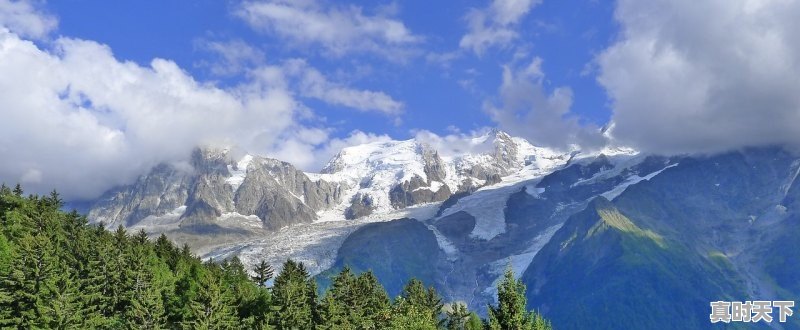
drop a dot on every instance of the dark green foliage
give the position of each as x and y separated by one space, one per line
355 302
510 312
263 272
459 318
294 295
58 272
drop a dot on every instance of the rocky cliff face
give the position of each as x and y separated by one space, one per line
217 186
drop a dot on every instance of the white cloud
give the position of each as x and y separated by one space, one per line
26 19
495 25
77 119
338 29
233 56
528 110
689 76
333 146
456 143
312 83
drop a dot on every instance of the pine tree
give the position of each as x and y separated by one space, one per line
511 312
64 307
294 297
460 318
428 300
457 317
26 283
212 307
263 272
405 315
146 309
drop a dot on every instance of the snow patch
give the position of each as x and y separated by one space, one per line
234 219
445 244
633 179
520 262
238 174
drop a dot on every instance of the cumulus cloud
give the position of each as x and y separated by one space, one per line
495 25
689 76
338 29
25 18
528 110
312 83
77 119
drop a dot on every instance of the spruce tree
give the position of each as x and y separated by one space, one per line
511 312
405 315
263 272
212 307
294 297
428 300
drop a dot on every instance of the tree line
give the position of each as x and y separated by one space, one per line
57 271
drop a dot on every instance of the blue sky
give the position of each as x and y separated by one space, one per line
565 34
95 93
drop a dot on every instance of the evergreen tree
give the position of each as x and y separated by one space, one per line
460 318
148 279
424 299
212 307
56 271
294 297
511 312
405 315
64 307
263 272
26 282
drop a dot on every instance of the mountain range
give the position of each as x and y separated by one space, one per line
647 239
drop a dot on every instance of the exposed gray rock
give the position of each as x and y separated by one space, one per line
434 166
158 193
275 191
281 195
416 191
360 206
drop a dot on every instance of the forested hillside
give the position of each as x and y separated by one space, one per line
58 272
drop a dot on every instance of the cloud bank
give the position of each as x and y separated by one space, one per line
77 119
527 109
689 76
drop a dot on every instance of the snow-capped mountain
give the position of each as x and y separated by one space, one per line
576 227
385 176
229 203
223 188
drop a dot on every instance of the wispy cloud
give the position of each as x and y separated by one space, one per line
313 84
495 25
338 29
26 18
231 57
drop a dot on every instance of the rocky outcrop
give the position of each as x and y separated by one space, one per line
275 191
157 193
360 206
433 164
416 191
209 195
281 195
